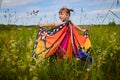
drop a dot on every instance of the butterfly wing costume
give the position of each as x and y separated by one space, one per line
62 41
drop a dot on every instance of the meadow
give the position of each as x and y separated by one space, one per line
17 63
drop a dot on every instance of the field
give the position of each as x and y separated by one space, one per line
16 62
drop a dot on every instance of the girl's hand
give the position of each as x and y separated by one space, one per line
41 25
86 33
84 30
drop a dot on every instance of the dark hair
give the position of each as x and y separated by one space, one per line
66 10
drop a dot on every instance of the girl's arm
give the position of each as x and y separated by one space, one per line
83 30
51 24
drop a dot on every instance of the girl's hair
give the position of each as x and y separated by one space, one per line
66 10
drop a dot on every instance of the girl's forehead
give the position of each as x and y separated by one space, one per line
62 12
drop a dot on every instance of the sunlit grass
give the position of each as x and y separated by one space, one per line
16 62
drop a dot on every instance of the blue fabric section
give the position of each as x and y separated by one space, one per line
83 55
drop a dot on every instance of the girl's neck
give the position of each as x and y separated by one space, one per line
65 20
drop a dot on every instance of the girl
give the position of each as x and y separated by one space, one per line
64 15
63 40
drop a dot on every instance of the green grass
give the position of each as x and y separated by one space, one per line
16 62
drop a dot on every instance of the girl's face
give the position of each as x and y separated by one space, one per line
63 16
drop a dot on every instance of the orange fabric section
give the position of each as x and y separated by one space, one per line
69 48
51 39
57 44
81 39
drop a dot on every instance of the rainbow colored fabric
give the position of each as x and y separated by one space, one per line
62 41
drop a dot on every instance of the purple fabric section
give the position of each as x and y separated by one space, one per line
75 48
65 42
63 46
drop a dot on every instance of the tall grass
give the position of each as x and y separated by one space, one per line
16 62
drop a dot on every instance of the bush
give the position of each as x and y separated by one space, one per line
112 24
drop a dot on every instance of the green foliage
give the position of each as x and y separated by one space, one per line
112 24
16 62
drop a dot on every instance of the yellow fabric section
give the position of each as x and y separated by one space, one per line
87 44
40 46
